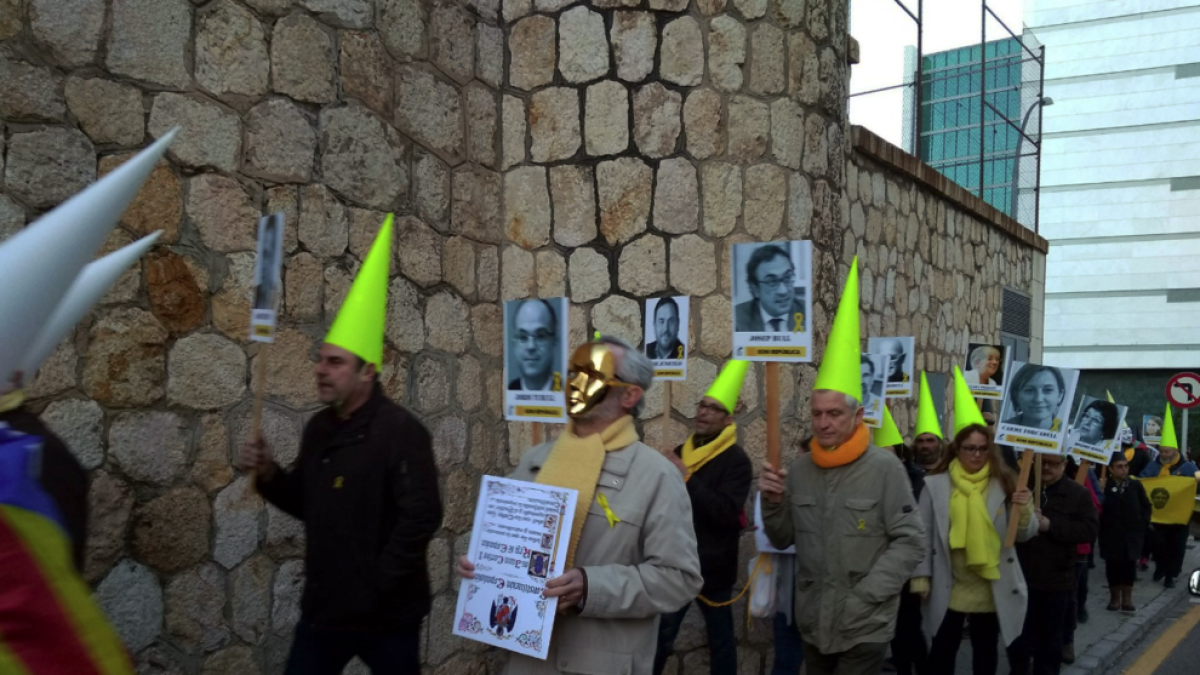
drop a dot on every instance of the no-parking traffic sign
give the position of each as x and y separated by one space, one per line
1183 390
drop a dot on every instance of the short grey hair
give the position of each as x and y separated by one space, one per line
852 403
633 367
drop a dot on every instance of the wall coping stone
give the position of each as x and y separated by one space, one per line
871 145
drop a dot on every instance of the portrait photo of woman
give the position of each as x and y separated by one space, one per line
983 365
1036 397
1097 422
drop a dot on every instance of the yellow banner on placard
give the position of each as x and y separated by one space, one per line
1012 439
671 372
792 352
1098 457
538 411
1172 497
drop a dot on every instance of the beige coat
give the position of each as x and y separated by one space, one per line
1009 592
645 566
858 537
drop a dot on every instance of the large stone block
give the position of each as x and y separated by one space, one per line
358 160
151 447
518 279
767 60
288 587
323 227
489 54
236 512
419 256
447 323
582 46
554 124
634 38
211 469
343 13
429 110
458 265
682 59
704 120
642 267
589 275
788 13
451 40
656 121
285 536
606 121
79 424
513 132
677 198
402 25
49 165
800 207
482 114
210 134
469 385
726 53
620 317
289 368
150 40
527 207
223 212
693 265
157 206
574 195
488 322
195 609
170 532
749 129
280 142
804 81
303 64
70 29
787 133
231 306
132 600
205 371
108 112
624 187
366 70
406 325
231 51
721 191
250 599
532 52
29 93
110 505
431 189
766 197
716 326
232 661
125 362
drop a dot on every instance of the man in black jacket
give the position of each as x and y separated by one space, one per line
718 475
1066 519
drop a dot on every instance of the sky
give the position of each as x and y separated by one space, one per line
883 30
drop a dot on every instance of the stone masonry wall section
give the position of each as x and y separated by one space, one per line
605 150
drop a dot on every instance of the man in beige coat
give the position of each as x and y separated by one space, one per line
635 551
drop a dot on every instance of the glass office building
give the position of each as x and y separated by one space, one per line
950 114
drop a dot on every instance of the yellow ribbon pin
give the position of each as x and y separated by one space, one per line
608 513
862 524
337 483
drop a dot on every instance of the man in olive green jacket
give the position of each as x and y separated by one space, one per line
626 573
848 508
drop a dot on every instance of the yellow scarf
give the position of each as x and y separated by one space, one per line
694 458
576 462
845 453
970 523
12 400
1166 470
1129 455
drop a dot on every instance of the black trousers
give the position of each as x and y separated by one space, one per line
1039 649
1120 572
985 638
327 652
909 654
722 644
1078 599
1170 546
865 658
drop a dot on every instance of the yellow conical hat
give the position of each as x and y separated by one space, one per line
1168 431
728 384
966 410
927 419
841 367
360 323
887 434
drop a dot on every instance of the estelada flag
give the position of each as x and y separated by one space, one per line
1173 498
49 623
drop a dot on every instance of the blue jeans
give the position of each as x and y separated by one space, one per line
722 647
327 652
789 648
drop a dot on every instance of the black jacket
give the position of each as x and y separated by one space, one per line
63 478
367 491
719 491
1124 520
1141 457
1048 559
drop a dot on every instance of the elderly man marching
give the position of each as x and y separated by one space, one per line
848 508
632 554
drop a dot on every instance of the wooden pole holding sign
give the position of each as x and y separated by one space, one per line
1082 472
537 434
666 417
773 426
1037 482
1026 463
260 384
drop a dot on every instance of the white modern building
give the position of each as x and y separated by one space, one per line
1120 197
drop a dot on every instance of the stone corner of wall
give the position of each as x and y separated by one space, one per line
868 143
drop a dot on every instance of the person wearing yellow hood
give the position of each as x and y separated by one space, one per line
1169 540
848 508
969 496
366 487
718 475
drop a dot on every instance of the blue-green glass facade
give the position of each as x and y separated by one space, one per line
950 109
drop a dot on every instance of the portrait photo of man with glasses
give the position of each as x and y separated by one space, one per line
772 301
535 357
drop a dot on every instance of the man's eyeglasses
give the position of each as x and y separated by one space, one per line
773 283
974 449
541 337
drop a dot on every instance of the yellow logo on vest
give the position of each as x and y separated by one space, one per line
608 513
862 524
337 483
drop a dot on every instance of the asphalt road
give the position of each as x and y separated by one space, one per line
1172 648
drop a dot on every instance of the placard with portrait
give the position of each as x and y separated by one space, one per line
1095 433
902 352
1037 405
666 336
984 369
772 301
874 375
535 358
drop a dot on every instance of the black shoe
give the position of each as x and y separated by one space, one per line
1083 615
1169 582
1158 575
1068 655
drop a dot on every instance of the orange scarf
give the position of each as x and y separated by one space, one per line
845 453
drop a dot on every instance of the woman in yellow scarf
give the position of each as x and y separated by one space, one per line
967 501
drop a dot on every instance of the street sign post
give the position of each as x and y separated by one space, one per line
1183 390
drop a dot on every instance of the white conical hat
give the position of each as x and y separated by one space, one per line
39 263
91 284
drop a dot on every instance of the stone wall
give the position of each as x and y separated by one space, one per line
607 150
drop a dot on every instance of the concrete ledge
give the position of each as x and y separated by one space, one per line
876 148
1104 655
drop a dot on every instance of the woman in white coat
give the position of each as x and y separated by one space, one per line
967 501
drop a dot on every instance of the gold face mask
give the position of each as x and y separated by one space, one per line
591 373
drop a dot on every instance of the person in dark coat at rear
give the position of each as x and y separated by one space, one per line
1123 525
718 475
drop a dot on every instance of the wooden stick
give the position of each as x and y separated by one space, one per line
259 387
1026 463
773 429
1104 473
1037 481
537 433
666 417
1081 473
